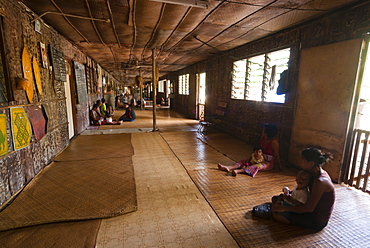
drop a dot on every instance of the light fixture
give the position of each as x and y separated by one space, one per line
193 3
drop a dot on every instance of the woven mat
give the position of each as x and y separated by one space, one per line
77 190
144 119
106 146
233 198
57 235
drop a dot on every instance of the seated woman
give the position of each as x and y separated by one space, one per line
95 118
270 148
129 115
316 211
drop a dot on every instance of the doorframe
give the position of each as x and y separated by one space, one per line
72 96
344 170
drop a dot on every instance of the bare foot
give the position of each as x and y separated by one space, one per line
234 173
223 167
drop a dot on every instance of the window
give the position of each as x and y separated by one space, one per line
256 78
169 87
161 84
184 84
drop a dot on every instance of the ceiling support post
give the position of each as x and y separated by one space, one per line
154 92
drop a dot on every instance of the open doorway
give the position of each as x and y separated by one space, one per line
356 166
201 97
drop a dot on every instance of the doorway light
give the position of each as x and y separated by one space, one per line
193 3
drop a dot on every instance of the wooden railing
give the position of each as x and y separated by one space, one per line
357 161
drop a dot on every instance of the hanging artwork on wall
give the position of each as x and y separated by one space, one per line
36 72
59 66
37 120
49 121
44 55
38 26
80 76
3 135
27 84
21 128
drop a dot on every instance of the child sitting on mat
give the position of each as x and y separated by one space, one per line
298 195
258 161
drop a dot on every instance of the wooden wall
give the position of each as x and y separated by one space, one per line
18 167
244 119
327 80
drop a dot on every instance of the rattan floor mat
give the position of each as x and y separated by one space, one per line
58 235
76 190
233 198
144 119
90 147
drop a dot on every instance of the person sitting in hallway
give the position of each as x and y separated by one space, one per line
99 103
103 107
97 120
316 211
119 104
109 112
257 162
299 194
270 148
129 115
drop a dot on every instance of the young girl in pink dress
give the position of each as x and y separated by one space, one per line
270 148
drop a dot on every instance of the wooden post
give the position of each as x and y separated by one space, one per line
141 98
154 84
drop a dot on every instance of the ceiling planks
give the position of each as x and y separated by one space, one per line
181 35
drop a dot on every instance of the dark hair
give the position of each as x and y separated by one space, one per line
103 100
256 148
98 101
270 129
95 106
315 155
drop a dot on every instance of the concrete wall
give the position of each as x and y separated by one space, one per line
244 119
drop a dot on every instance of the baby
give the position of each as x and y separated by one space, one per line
299 194
248 166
